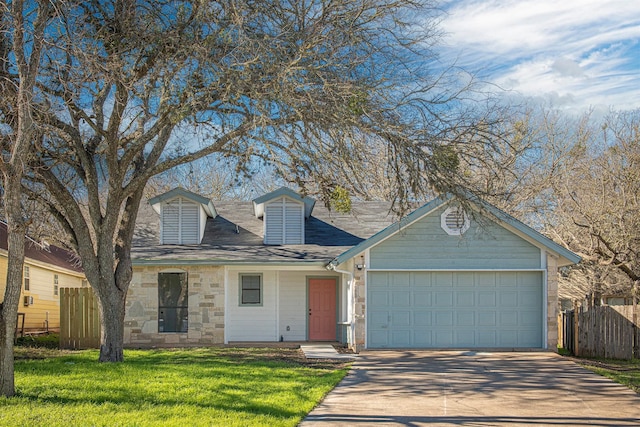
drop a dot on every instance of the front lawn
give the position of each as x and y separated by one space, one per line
212 386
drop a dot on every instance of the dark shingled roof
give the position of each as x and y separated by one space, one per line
236 236
52 255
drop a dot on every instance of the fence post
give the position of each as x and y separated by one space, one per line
577 312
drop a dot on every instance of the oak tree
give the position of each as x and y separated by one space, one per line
22 40
133 88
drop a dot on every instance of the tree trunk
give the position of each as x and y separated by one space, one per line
7 386
16 229
112 309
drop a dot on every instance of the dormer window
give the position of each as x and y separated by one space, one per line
183 216
283 212
284 222
179 222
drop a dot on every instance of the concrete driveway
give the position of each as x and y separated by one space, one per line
452 388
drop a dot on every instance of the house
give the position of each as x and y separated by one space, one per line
47 268
283 268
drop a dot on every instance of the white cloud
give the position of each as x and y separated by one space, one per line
567 67
580 52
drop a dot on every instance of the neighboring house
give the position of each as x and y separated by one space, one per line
281 268
47 268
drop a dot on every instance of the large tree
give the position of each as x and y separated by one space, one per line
132 88
597 211
22 40
577 179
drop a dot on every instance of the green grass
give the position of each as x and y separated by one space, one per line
193 387
625 372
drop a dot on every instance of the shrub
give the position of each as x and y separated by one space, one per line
48 340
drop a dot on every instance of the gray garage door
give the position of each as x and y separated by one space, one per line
454 309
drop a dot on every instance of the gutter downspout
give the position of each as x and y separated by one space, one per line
351 305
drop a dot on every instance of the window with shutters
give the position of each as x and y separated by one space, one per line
284 222
454 221
250 289
180 222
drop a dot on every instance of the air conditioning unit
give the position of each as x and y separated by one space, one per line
28 300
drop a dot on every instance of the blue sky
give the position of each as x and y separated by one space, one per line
574 54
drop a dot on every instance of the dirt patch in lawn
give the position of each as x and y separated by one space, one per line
287 355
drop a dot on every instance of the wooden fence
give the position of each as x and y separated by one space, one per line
79 319
601 331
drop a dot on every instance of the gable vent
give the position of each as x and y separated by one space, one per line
180 222
454 221
284 222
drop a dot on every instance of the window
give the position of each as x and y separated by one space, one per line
26 278
55 284
251 289
173 302
454 221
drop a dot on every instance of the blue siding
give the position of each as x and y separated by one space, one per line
425 245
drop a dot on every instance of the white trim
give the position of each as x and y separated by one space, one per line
277 306
454 270
297 265
348 301
225 339
545 310
258 267
202 213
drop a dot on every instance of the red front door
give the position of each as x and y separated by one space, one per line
322 309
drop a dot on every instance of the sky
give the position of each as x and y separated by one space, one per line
575 55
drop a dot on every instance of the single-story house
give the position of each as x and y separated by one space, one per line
47 268
283 268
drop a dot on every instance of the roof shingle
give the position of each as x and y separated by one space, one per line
52 255
236 236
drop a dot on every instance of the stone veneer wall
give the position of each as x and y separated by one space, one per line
360 297
206 308
552 302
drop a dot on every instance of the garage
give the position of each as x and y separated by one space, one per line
455 309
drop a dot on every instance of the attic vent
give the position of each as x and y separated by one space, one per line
454 221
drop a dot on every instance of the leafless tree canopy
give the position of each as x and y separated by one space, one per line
319 90
598 209
578 180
